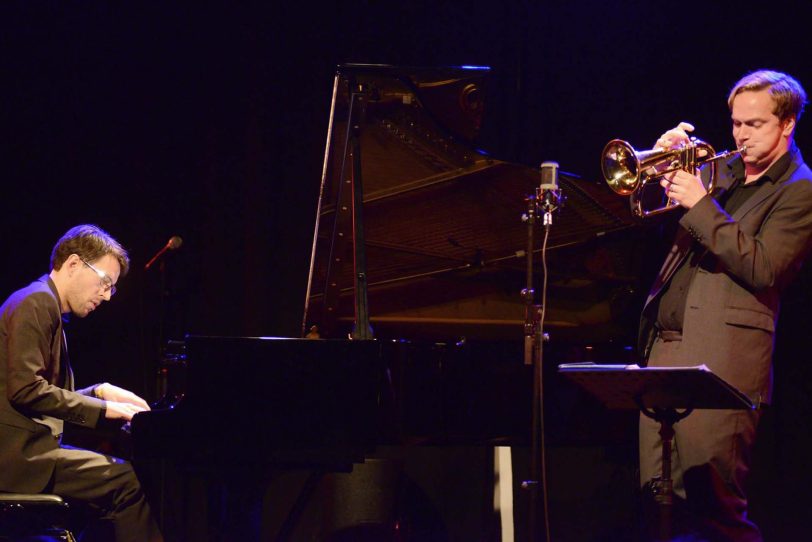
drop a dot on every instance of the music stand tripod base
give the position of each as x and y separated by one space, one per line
664 394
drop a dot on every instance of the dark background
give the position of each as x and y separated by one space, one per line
208 121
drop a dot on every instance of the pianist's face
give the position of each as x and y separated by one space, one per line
90 283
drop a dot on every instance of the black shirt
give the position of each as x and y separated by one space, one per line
671 307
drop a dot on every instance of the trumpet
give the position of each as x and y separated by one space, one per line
628 172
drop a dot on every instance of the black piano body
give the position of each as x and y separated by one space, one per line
252 405
255 391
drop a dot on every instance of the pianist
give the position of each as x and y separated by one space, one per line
37 393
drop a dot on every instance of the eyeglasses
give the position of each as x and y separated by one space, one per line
106 282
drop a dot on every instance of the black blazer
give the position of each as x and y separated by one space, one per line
36 388
747 260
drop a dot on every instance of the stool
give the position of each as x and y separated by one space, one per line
29 515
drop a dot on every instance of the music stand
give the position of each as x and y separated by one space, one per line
664 394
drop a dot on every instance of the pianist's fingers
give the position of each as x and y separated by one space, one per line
114 393
122 411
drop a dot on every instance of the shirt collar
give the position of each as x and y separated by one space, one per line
50 282
773 173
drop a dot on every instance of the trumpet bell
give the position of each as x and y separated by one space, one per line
620 167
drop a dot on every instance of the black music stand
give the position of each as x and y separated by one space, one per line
664 394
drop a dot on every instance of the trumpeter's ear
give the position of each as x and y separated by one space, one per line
788 126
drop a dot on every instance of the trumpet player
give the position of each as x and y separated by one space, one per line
716 298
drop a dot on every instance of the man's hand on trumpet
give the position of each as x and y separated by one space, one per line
680 186
675 136
684 188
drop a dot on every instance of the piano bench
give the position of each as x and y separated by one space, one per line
33 515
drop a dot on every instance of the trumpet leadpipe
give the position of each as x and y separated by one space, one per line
724 154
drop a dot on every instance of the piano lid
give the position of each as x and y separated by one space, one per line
444 239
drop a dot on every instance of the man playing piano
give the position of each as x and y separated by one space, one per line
37 393
716 298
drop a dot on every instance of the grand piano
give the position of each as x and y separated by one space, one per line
413 322
443 240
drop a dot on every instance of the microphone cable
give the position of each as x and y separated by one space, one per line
542 446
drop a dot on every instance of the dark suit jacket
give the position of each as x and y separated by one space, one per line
36 388
747 260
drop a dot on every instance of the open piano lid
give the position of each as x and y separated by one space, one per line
442 235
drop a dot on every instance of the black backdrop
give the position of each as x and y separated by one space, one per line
207 120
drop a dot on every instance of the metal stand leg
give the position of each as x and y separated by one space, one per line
664 497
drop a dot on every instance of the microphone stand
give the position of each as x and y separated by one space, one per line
162 307
532 313
534 337
528 293
161 375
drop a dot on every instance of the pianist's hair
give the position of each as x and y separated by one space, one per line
90 243
787 93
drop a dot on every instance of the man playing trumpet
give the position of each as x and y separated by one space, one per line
716 298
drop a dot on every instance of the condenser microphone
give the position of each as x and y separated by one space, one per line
174 243
549 195
549 176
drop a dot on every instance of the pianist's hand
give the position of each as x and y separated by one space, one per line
122 411
109 392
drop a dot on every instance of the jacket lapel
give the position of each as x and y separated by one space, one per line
679 251
766 190
66 373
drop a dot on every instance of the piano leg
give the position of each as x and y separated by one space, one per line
240 506
303 499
